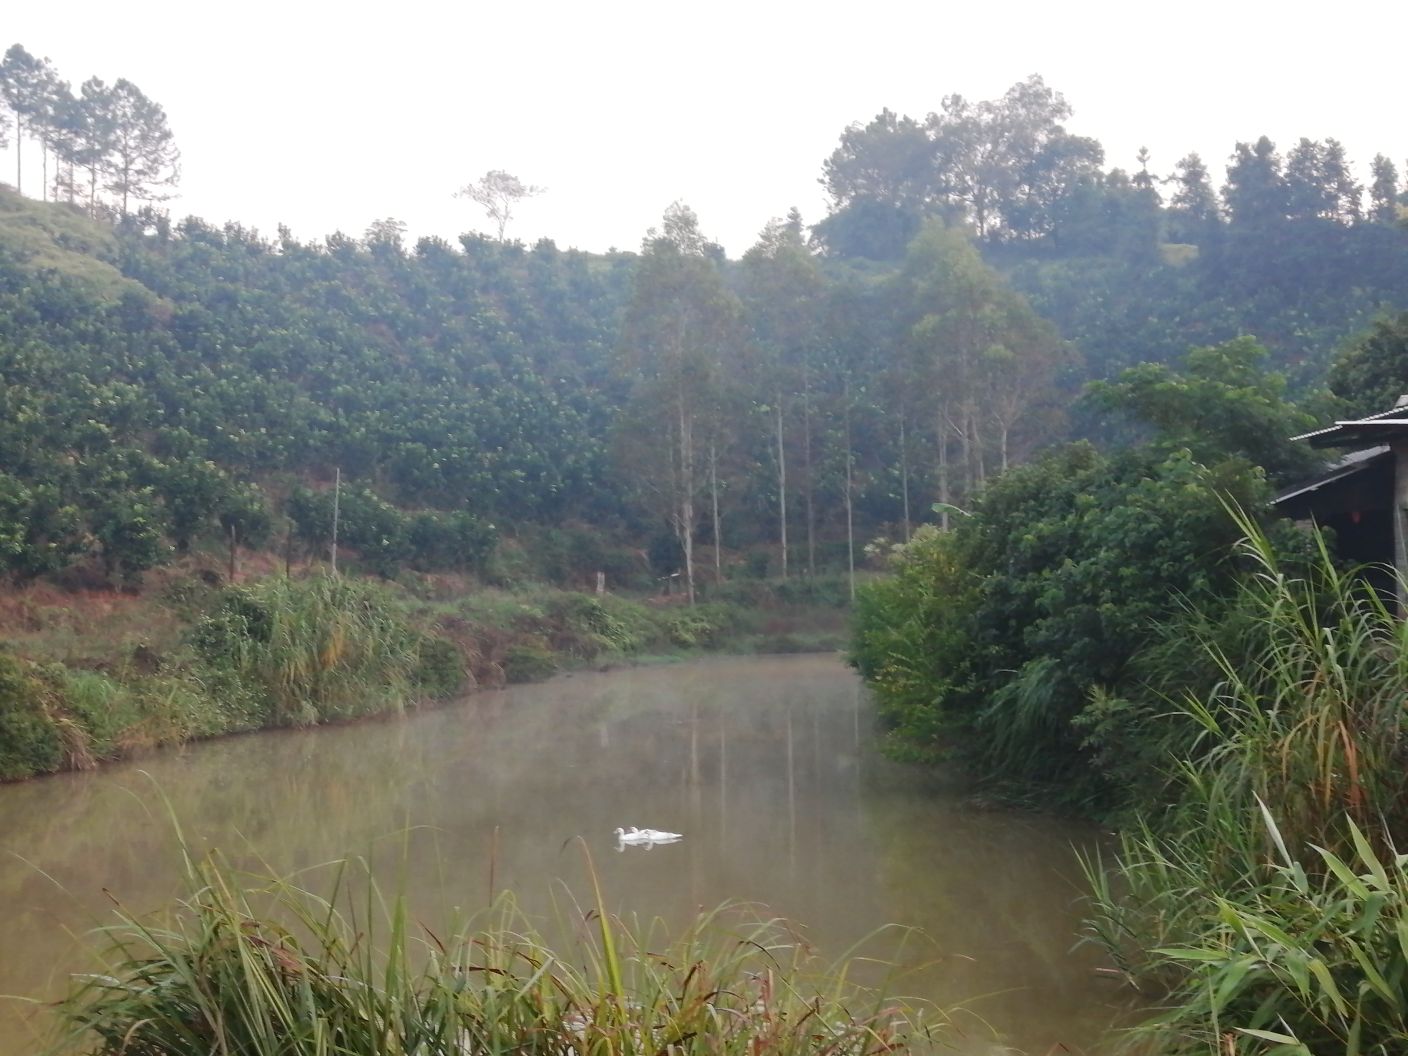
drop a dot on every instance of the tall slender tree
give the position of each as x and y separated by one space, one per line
783 289
142 160
20 86
680 323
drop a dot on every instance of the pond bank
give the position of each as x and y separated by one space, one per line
88 677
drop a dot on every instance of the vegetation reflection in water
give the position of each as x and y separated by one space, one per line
761 763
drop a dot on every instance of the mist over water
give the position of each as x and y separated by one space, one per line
766 765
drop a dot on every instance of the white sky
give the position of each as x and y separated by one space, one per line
328 116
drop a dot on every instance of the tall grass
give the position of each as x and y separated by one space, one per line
1267 900
301 652
260 966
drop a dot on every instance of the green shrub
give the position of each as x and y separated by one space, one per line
440 667
528 662
703 625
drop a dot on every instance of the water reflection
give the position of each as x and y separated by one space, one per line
760 763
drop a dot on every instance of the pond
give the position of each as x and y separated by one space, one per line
766 765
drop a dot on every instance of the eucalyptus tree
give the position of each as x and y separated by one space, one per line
682 324
983 356
784 297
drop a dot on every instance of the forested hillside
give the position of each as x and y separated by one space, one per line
168 382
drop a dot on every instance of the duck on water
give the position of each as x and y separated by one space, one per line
634 837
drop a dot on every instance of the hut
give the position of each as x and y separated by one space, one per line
1363 497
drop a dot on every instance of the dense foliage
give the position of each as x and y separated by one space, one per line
997 639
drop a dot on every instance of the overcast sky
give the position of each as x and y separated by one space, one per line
328 116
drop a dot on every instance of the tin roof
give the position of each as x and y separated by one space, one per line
1348 466
1371 430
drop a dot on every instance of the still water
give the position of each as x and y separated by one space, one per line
764 764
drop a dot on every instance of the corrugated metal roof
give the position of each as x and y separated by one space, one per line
1378 416
1348 466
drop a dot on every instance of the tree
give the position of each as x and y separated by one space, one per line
1371 372
1008 160
1309 193
142 156
35 94
682 322
1193 214
1223 405
1255 193
982 354
21 87
783 296
89 134
889 161
1346 193
1383 191
499 193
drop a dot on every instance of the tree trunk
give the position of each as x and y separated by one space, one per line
781 486
904 474
965 448
807 458
234 568
19 171
978 449
336 502
944 500
714 495
685 529
850 502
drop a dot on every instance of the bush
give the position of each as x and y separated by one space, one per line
528 662
440 667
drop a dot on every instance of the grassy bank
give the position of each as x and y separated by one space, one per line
257 965
88 676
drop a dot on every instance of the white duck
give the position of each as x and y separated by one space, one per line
634 837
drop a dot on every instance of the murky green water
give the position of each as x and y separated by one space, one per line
762 763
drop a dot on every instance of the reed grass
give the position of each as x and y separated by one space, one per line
311 650
261 966
1266 902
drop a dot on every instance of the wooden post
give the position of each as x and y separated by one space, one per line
1400 522
336 497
